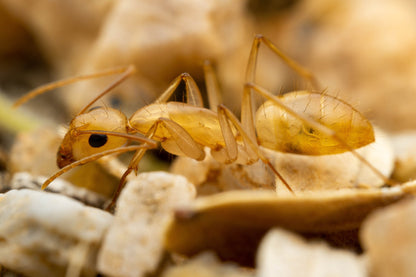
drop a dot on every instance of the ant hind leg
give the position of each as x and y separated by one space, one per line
251 147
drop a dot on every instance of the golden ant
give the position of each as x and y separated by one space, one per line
302 122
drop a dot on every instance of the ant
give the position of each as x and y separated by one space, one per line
302 122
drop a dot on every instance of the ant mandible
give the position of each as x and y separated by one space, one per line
302 122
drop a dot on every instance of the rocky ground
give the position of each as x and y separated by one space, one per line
190 218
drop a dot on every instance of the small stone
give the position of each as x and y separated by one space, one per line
404 145
210 176
133 245
207 265
24 180
282 253
388 238
232 223
45 234
338 171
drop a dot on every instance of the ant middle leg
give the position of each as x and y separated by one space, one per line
193 94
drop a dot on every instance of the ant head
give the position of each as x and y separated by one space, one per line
86 134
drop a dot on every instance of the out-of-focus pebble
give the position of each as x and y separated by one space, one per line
282 253
232 223
210 176
404 145
72 21
133 245
46 234
389 241
207 265
161 38
329 172
35 151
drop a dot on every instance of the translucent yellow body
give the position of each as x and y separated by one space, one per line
278 130
300 122
202 124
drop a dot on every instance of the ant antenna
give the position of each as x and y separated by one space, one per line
53 85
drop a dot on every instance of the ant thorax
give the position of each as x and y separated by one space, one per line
201 124
280 131
78 144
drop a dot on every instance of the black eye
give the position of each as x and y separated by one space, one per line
97 140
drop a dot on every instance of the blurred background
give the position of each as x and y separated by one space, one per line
361 51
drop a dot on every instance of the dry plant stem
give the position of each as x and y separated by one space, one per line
318 126
15 121
53 85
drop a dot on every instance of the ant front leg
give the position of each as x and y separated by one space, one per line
94 157
179 142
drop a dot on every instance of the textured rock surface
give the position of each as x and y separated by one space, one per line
45 234
133 245
404 145
207 265
388 238
331 172
285 254
24 180
232 223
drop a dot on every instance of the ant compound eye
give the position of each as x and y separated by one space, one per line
97 140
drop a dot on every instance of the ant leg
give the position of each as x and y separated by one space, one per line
318 126
179 136
94 157
182 139
133 165
252 148
134 137
247 115
300 70
53 85
213 91
231 148
193 95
